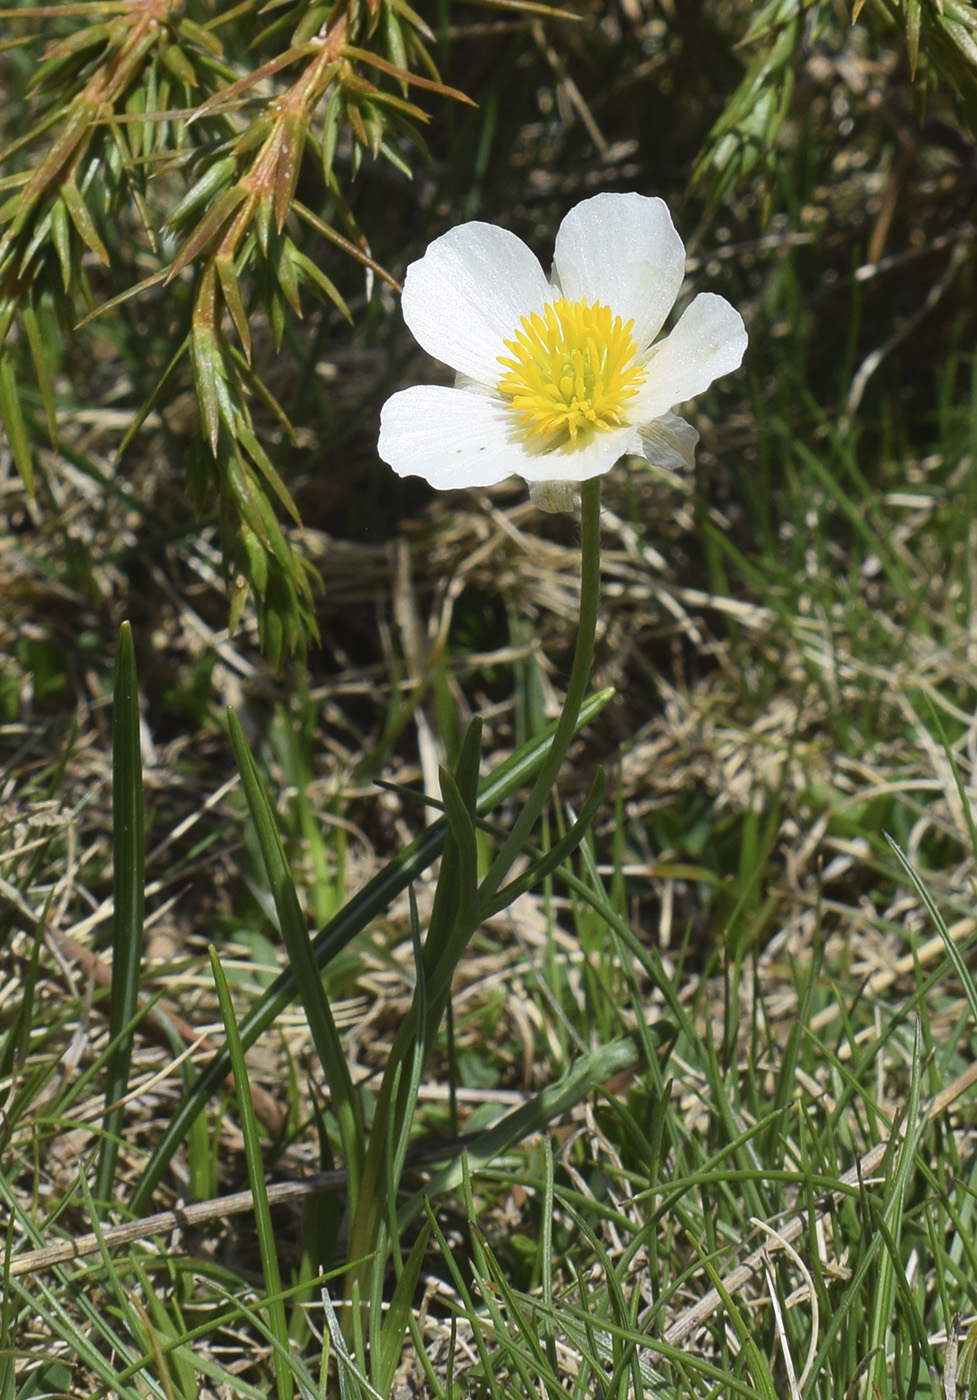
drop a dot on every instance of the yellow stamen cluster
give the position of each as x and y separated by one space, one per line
572 367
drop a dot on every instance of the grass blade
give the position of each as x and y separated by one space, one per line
345 1101
372 900
256 1175
129 860
396 1322
533 1116
549 863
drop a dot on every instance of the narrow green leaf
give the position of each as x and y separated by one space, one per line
961 11
146 408
405 77
396 159
285 272
330 131
40 235
394 37
397 1318
210 383
759 1366
263 223
451 923
555 856
963 37
173 1359
231 288
255 508
292 131
227 96
134 191
213 179
263 462
81 218
461 825
914 9
468 766
273 635
277 1322
238 597
257 559
128 863
374 126
208 228
358 251
61 238
173 58
256 385
87 37
298 944
533 1116
255 134
954 952
130 294
13 424
138 134
42 369
422 28
366 906
390 1134
197 34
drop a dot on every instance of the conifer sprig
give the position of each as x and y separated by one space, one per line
940 38
149 122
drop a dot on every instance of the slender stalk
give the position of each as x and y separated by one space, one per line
576 692
392 1106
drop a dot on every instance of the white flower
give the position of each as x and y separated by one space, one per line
556 378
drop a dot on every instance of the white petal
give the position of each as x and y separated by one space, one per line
451 437
669 442
623 251
708 341
468 293
464 437
590 458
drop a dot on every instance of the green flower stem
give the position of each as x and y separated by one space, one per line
576 693
392 1106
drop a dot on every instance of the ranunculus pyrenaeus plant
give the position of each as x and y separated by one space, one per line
557 377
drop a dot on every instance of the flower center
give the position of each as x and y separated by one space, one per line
572 368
